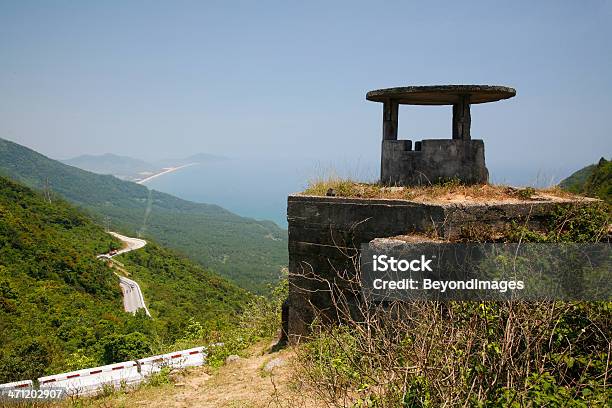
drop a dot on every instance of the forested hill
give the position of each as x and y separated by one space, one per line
61 308
249 252
594 180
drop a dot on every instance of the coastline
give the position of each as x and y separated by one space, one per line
164 171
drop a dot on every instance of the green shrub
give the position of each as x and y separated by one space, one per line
125 347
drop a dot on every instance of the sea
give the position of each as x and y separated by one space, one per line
252 187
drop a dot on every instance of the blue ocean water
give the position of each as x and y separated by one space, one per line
255 188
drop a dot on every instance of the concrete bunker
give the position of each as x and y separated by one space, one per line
326 234
434 160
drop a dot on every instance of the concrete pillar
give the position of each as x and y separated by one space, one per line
390 116
462 119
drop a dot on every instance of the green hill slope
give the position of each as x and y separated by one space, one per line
594 180
61 308
249 252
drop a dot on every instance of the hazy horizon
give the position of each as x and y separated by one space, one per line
253 187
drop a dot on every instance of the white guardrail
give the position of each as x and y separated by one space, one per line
92 380
17 385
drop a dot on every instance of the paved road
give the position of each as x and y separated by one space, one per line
131 243
132 295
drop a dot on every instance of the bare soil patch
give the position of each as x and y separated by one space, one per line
240 383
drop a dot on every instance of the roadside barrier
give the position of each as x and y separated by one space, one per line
90 381
17 385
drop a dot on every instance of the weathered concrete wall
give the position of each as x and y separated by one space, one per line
433 160
325 234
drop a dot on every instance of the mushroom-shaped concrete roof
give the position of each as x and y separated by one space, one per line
441 94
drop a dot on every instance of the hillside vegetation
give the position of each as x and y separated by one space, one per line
177 290
61 308
594 180
248 252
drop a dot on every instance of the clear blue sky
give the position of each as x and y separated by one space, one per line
162 79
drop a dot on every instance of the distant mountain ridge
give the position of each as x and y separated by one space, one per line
248 252
132 169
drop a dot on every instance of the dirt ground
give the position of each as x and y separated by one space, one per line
240 383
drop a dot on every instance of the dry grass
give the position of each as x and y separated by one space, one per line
429 354
454 353
450 192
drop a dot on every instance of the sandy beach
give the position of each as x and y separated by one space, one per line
165 170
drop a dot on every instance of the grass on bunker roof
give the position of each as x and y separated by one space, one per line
451 191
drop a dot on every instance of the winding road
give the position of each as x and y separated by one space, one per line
132 295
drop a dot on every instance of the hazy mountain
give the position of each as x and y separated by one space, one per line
129 168
247 251
120 166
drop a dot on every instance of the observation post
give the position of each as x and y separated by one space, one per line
328 233
434 160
